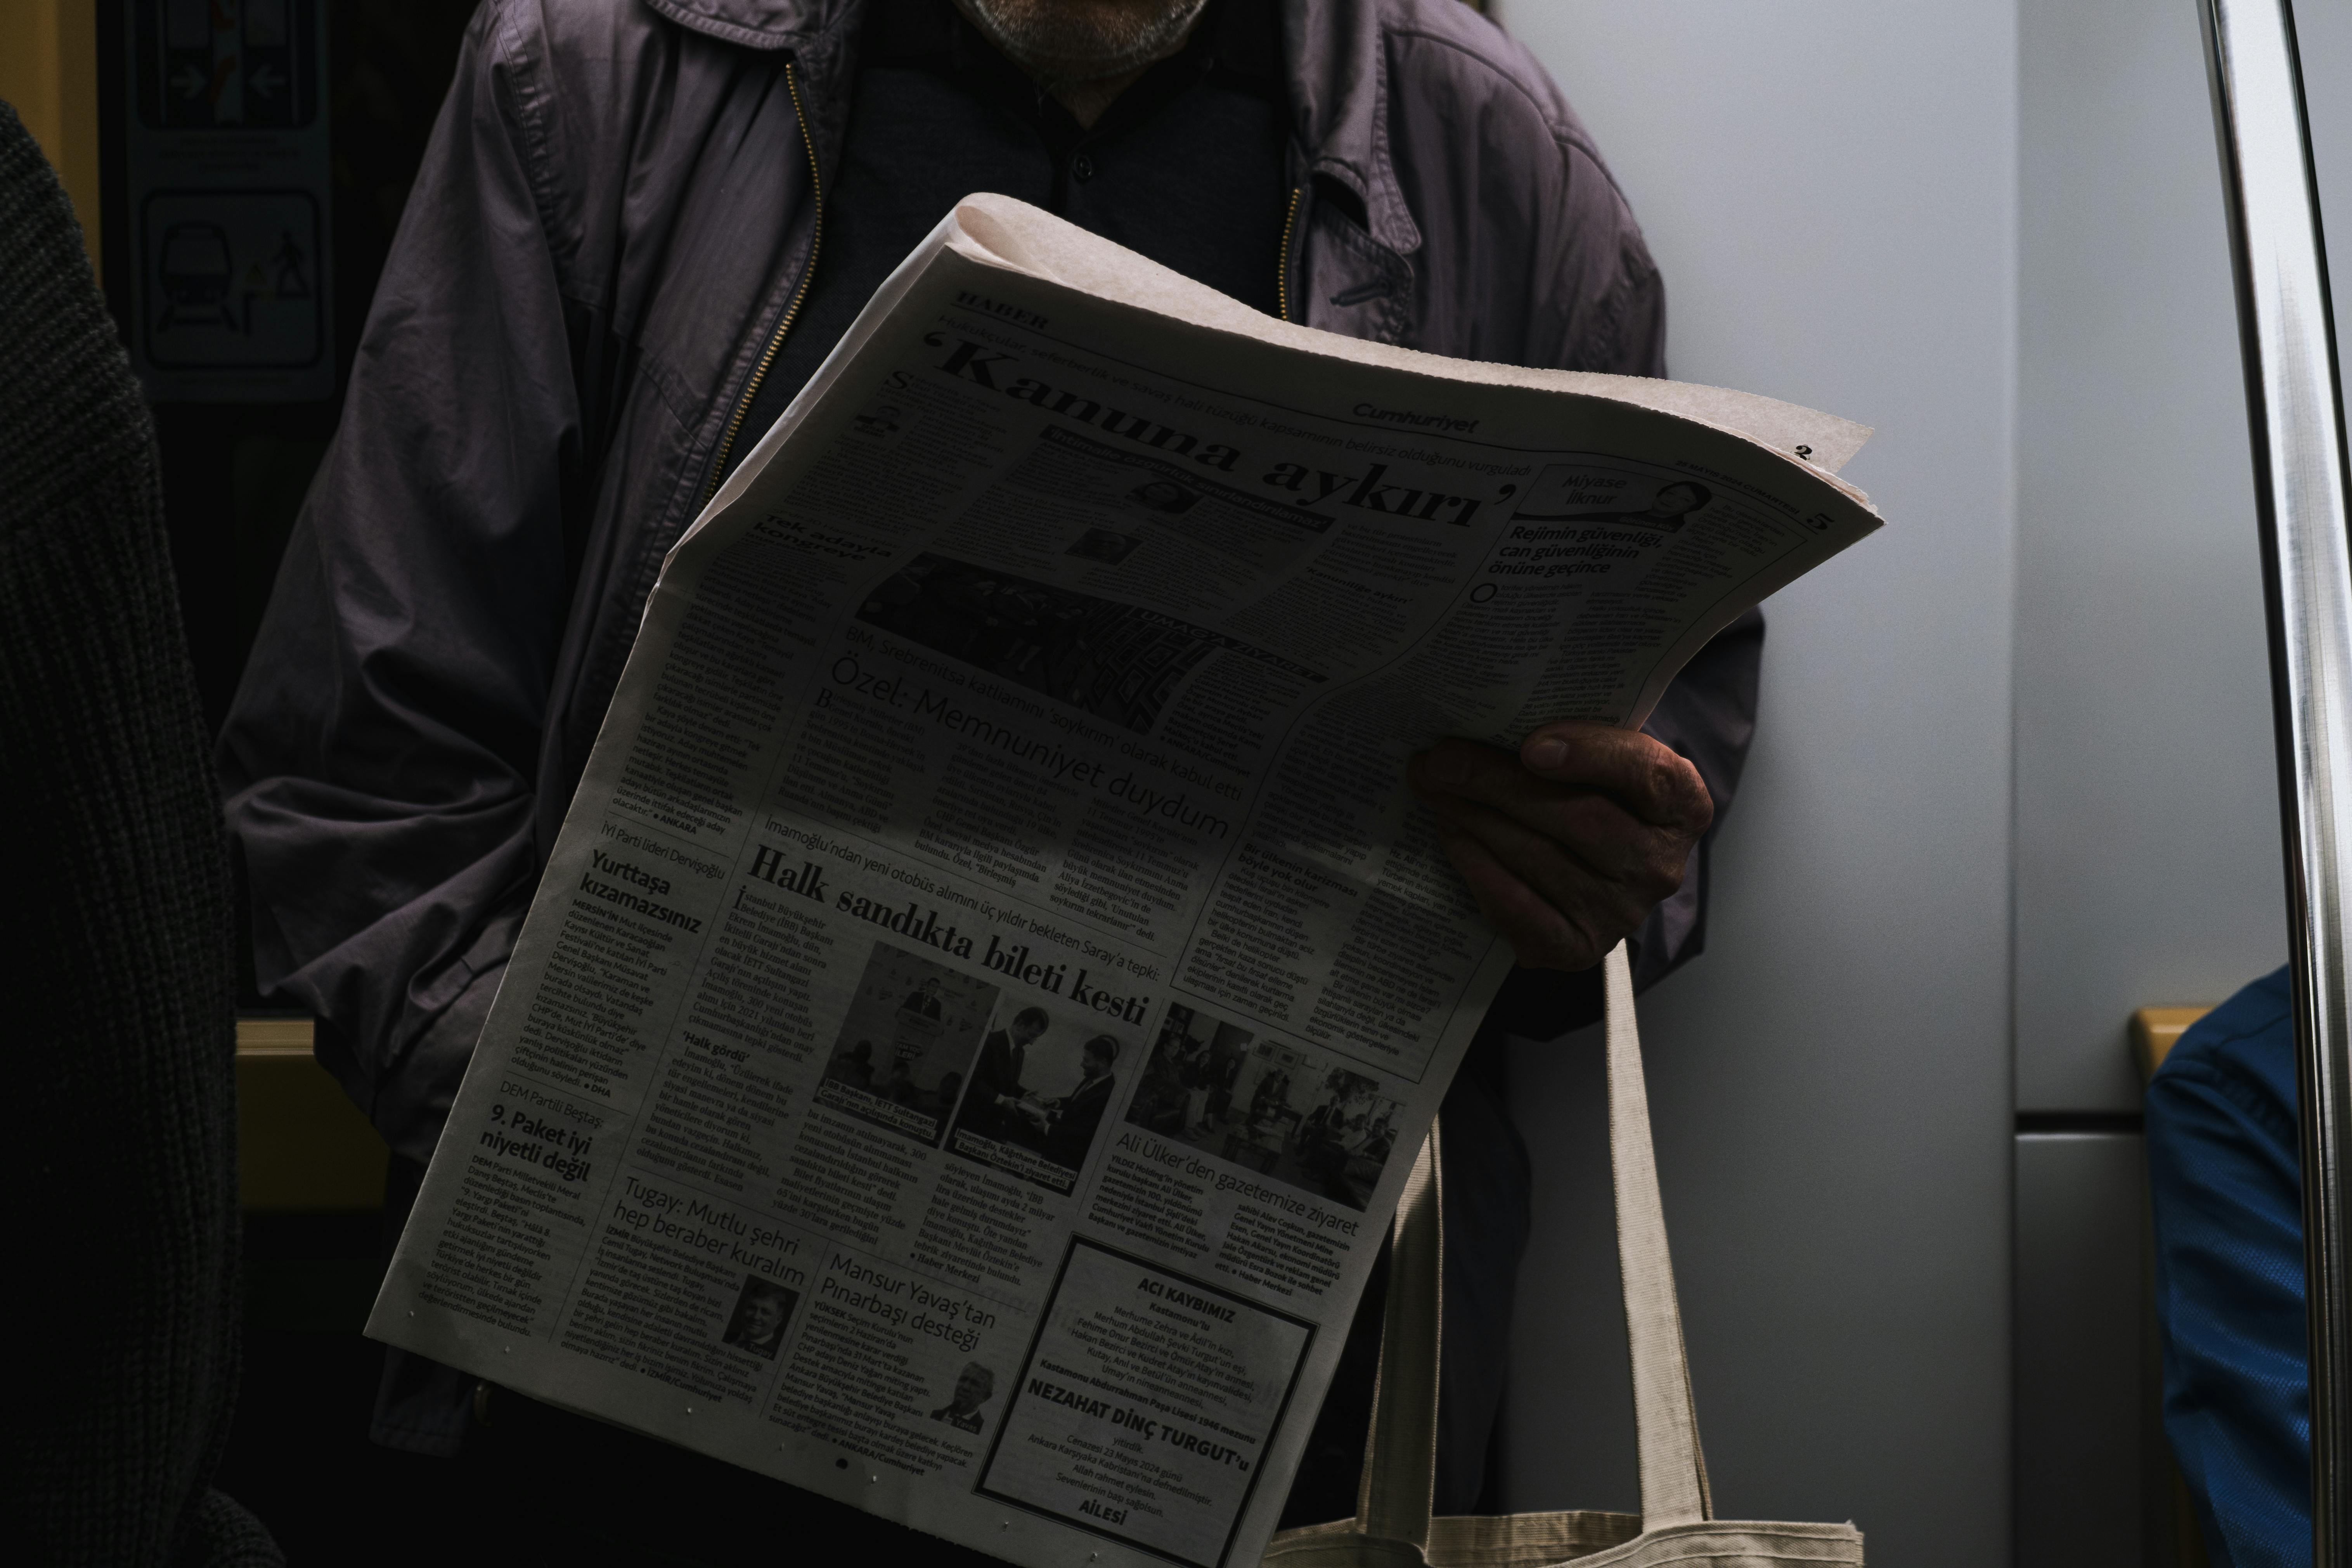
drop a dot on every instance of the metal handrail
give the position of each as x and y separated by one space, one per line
2295 405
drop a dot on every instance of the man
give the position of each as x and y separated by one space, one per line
1068 1127
1224 1066
997 1088
923 1002
1337 1127
974 1386
1193 1072
611 277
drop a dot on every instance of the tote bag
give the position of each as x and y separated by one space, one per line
1393 1527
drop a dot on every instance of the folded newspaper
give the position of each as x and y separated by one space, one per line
986 996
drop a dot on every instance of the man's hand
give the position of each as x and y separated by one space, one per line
1568 845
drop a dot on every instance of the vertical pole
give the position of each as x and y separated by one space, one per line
2295 405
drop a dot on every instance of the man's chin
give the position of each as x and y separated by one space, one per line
1084 41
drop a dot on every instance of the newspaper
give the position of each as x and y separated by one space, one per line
992 982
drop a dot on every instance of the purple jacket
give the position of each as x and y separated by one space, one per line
612 214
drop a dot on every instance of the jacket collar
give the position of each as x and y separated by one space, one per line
1331 48
1338 106
760 23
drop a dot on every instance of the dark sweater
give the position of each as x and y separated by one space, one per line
115 928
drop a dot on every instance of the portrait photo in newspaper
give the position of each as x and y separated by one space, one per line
763 1312
975 1385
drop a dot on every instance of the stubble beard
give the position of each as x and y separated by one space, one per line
1083 40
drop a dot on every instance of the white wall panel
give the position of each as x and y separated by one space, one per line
2146 799
1831 190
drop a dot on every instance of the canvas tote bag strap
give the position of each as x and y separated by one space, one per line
1674 1472
1400 1477
1400 1481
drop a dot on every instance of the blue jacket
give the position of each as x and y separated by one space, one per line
2225 1177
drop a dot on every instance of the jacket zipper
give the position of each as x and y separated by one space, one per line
791 312
1282 272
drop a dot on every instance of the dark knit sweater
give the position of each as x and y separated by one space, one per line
114 945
